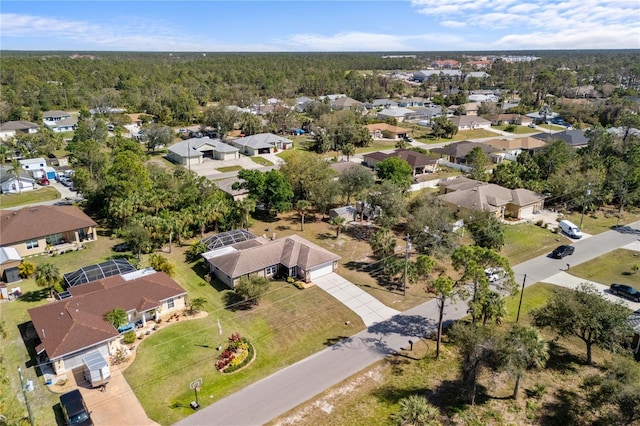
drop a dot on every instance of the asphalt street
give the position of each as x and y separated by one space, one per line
291 386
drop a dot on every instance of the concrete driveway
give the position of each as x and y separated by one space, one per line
567 280
117 405
370 309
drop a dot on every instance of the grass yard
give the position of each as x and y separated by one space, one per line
229 169
260 160
38 195
15 316
613 267
372 396
525 241
519 130
601 220
288 325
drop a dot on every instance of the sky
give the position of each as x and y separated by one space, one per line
322 26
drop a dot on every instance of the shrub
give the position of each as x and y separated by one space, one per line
291 280
26 269
121 356
540 222
129 337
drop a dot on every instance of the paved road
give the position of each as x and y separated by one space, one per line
286 389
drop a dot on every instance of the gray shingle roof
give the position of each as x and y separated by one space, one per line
261 140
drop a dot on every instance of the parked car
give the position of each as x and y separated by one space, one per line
625 291
532 125
494 274
74 410
44 182
119 248
562 251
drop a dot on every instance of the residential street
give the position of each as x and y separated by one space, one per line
284 390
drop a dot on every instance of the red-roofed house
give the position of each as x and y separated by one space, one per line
73 327
36 230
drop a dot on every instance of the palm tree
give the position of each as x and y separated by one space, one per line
116 317
348 149
302 206
523 349
339 223
48 275
15 170
246 206
415 410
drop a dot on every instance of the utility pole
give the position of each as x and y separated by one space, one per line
406 266
26 400
521 293
587 193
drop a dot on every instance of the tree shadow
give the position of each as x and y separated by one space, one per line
560 359
283 227
30 339
561 411
326 236
59 415
34 296
234 302
450 396
331 341
626 230
354 265
411 326
360 231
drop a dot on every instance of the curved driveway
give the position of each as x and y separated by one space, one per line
291 386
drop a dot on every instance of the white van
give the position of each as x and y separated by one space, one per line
570 229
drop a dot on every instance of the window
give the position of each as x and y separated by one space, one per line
54 239
32 244
171 304
271 270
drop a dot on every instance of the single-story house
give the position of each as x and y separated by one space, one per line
195 150
346 102
381 103
332 97
68 124
423 75
464 196
71 328
517 119
477 74
262 143
419 162
470 122
509 149
226 185
349 213
302 103
574 138
9 184
52 116
10 260
398 113
426 114
386 131
292 256
12 128
31 164
413 102
42 229
457 152
340 167
470 108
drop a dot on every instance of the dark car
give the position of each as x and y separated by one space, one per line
74 409
625 291
119 248
563 251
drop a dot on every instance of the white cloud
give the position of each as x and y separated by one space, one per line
347 41
453 24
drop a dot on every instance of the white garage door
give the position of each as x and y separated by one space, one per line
526 211
320 271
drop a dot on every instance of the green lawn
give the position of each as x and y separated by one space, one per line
519 130
261 160
602 220
287 326
525 241
14 350
613 267
229 169
37 196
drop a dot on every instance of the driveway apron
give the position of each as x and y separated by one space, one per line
359 301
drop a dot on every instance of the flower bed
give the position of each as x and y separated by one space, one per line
238 353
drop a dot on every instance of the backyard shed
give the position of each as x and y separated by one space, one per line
96 369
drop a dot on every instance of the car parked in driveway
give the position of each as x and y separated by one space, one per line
562 251
625 291
74 409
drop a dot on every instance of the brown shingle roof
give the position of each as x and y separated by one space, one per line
77 322
387 127
290 251
488 196
38 222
